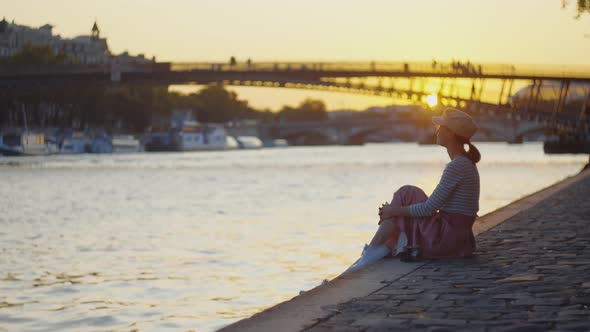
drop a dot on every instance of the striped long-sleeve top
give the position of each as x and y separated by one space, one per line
457 191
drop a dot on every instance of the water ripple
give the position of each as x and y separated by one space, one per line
197 241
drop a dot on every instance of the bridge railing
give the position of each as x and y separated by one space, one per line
75 69
442 68
381 68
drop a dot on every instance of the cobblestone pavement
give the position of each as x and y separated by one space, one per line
530 273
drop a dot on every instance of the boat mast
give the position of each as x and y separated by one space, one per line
24 117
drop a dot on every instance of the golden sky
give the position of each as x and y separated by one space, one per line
500 31
496 31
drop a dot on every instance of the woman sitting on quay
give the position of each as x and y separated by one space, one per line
439 226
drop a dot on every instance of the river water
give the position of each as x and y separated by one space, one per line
195 241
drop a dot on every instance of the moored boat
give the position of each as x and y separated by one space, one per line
188 136
76 144
101 144
249 142
158 141
23 143
194 136
125 144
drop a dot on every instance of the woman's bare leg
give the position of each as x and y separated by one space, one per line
386 228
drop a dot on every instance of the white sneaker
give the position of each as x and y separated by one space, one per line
364 249
402 241
358 260
370 255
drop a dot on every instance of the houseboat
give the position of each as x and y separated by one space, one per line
101 144
189 136
126 144
81 143
23 143
75 144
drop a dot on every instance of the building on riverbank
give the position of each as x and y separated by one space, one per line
89 49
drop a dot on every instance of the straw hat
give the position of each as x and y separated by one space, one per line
458 122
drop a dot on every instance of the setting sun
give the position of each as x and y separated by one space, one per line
432 100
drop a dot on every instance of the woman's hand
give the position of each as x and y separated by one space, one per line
381 209
384 212
387 211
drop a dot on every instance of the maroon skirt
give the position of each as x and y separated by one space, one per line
442 235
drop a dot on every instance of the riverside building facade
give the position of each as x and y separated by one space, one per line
87 49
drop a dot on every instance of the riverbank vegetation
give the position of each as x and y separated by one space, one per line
134 108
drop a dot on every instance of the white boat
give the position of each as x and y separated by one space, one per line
231 143
188 136
193 136
280 143
23 143
82 143
125 144
249 142
78 143
101 144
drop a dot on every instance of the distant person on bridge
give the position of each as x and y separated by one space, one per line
439 226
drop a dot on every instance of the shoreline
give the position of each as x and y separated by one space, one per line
320 303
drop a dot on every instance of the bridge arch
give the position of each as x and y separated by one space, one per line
309 137
359 137
544 130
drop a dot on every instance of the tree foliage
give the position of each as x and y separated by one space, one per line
134 108
216 104
582 7
30 54
308 110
